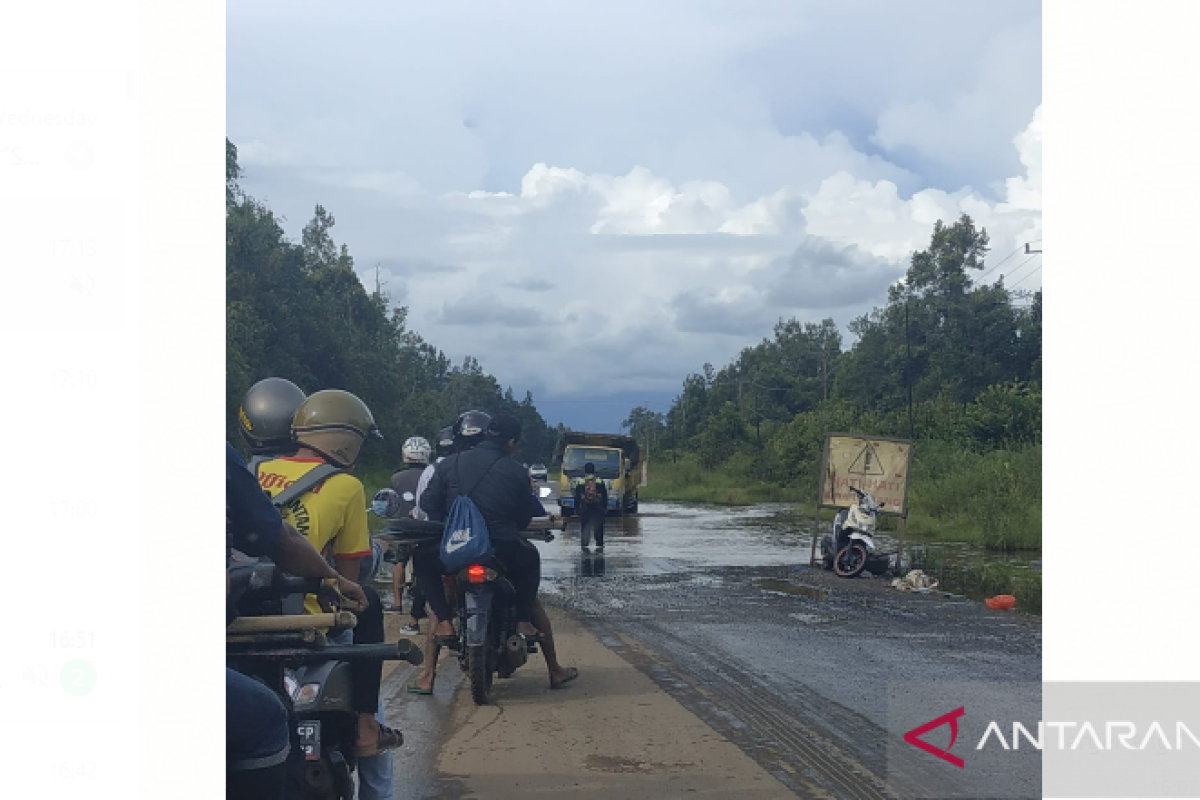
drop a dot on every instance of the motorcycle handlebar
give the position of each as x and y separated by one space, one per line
417 529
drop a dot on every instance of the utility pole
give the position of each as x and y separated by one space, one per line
908 366
757 419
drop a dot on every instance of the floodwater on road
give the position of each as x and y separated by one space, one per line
720 607
671 538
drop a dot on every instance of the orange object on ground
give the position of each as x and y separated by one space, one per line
1001 602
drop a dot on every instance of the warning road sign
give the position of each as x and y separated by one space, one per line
876 465
867 462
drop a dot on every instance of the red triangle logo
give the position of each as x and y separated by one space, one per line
913 737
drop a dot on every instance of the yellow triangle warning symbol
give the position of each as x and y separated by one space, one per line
867 463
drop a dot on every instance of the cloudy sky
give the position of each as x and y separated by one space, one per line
595 199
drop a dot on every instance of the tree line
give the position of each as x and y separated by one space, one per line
943 359
299 311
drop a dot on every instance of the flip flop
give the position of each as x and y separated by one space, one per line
414 689
449 642
389 739
572 674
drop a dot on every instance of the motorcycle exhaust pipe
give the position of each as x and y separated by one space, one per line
516 651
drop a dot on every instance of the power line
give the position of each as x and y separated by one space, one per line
997 266
1020 266
1027 277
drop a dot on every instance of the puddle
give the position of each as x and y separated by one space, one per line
787 587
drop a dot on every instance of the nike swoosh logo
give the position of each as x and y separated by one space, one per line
453 546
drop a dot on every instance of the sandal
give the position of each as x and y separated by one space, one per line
572 674
389 739
414 689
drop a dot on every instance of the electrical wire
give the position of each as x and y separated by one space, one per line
1027 277
997 266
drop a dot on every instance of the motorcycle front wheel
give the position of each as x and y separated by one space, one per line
851 561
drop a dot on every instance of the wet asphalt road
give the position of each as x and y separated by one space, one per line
790 663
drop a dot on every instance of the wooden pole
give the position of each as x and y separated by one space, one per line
296 622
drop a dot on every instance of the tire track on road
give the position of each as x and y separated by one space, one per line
739 706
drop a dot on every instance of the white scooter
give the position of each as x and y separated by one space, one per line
850 548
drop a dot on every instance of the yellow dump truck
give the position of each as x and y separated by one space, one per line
616 458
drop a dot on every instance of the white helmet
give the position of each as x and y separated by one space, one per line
416 451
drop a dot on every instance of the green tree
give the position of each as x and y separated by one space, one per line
300 311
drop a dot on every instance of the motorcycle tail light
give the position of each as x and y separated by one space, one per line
476 574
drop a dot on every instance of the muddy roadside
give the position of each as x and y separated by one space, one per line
613 733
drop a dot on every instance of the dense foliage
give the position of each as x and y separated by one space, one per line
970 355
299 311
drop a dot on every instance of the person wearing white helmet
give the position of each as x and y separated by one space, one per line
415 452
445 447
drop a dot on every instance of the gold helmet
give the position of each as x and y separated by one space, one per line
335 424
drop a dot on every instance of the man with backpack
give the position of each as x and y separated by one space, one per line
257 735
415 452
591 498
327 505
265 420
485 472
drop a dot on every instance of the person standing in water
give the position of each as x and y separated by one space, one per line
591 498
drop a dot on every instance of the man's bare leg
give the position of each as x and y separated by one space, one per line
424 681
542 621
398 570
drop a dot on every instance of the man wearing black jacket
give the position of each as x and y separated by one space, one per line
499 487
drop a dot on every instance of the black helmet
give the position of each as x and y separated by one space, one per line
445 442
265 416
504 427
470 428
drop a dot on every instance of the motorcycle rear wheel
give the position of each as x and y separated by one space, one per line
479 670
850 561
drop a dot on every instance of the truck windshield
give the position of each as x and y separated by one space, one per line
608 462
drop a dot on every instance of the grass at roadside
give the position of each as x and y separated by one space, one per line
689 482
991 499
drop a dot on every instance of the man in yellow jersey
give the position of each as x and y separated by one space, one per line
330 428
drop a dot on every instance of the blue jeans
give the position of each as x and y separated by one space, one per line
375 777
256 724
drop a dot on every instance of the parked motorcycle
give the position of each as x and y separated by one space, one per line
850 547
313 678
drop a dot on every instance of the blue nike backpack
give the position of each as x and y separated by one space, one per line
465 539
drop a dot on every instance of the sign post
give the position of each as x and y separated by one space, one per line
874 464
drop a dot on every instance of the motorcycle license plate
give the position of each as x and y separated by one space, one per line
310 740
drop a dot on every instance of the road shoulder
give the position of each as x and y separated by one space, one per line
614 733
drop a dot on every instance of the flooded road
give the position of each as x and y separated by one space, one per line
720 608
673 538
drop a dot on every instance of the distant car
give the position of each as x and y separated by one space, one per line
538 472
